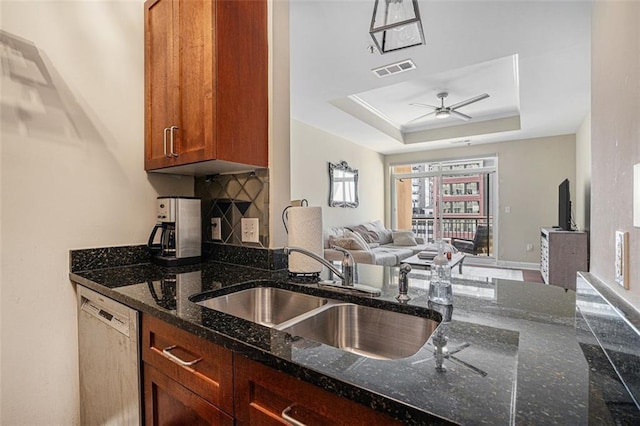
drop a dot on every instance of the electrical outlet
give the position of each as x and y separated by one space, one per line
216 229
250 232
507 209
529 247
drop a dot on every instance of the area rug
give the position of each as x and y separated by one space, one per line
482 272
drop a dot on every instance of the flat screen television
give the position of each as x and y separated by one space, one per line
564 206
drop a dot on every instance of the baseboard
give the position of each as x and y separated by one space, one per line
519 265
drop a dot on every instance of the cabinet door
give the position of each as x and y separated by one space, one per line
160 86
195 138
197 364
262 394
168 403
242 82
179 84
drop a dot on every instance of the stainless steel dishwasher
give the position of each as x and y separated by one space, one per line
109 353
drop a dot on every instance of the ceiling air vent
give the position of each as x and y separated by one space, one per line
394 68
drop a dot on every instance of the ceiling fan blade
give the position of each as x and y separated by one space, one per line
425 106
470 101
460 115
420 117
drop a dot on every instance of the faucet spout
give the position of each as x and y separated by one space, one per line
346 275
343 278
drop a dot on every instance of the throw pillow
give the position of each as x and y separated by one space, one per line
368 235
404 238
359 241
349 241
385 236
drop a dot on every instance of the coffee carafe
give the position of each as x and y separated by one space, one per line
180 232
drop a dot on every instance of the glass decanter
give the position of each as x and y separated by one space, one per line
440 286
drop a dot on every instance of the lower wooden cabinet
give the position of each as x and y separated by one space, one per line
191 381
169 403
264 396
186 374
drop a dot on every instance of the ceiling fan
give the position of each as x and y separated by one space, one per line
445 111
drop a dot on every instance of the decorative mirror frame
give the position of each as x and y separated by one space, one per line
344 167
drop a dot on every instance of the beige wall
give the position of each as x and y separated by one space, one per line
311 150
582 194
279 127
615 137
529 172
61 190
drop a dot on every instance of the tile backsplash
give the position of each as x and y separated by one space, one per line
232 197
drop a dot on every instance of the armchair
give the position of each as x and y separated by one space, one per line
479 244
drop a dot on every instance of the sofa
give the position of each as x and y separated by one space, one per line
373 243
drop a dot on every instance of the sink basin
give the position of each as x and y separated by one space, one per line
370 332
366 331
268 306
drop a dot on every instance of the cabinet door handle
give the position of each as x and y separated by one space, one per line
287 417
164 140
167 352
172 128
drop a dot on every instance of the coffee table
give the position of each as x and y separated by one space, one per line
456 259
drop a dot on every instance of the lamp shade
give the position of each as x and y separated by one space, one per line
396 25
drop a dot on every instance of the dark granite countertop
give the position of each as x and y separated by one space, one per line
516 357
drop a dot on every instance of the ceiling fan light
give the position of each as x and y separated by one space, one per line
443 114
396 25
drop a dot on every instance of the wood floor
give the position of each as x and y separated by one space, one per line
533 276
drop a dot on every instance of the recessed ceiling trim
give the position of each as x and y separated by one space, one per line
364 104
395 68
467 129
365 114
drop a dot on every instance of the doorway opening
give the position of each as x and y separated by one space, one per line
461 193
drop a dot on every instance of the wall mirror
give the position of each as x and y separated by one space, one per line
343 184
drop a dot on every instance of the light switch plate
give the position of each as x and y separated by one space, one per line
216 229
622 259
250 230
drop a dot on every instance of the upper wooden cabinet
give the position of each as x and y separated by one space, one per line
206 82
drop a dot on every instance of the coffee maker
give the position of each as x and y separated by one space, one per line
180 239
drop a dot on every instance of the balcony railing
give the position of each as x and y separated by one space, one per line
452 227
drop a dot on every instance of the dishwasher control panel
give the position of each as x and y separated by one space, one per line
108 317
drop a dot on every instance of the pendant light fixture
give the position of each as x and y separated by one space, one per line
396 25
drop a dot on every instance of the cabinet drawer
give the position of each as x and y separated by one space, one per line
169 403
197 364
262 394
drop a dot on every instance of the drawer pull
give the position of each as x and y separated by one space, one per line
167 352
287 417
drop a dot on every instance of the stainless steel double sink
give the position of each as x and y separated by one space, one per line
371 332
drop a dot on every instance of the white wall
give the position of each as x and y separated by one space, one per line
615 138
62 191
311 151
529 172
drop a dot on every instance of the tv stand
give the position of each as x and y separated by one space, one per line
562 254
